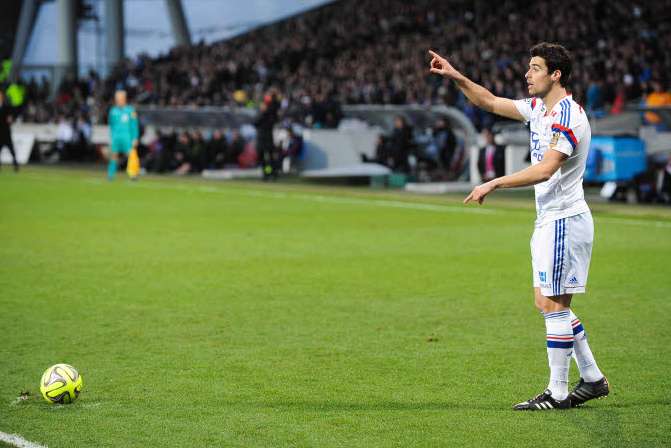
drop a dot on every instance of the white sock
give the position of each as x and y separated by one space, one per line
559 336
584 358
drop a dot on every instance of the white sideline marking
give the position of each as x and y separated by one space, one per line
16 401
375 202
399 204
18 441
636 222
91 405
319 198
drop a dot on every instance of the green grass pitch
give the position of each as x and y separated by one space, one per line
243 314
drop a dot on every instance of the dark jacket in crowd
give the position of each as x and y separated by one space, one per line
499 161
268 117
216 150
400 146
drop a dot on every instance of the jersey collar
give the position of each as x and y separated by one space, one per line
557 107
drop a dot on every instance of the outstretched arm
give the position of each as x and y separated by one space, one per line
532 175
477 94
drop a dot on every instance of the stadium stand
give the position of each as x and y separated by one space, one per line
374 52
354 52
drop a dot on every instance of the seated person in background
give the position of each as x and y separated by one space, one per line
182 154
293 148
81 139
152 159
401 145
382 154
216 150
64 135
443 144
198 152
393 151
657 98
167 160
491 159
236 147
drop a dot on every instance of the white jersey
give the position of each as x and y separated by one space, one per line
567 129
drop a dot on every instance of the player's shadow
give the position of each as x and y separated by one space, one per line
600 422
611 404
580 416
336 406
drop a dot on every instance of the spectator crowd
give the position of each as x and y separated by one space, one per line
375 52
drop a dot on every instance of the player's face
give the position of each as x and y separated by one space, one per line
120 98
538 79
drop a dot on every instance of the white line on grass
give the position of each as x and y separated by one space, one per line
635 222
319 198
17 400
375 202
18 441
390 203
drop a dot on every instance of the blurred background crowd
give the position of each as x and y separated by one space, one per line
375 52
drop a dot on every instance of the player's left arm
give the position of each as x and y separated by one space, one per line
532 175
565 139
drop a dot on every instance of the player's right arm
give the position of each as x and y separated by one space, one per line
477 94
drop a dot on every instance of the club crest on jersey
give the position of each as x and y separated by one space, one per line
535 144
535 140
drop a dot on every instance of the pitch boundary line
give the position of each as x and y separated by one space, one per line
333 199
390 203
377 202
18 441
634 222
386 203
364 201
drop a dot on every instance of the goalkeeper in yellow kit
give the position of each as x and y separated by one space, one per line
124 134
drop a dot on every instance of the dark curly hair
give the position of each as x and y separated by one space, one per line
556 58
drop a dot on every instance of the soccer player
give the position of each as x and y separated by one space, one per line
5 130
124 131
561 245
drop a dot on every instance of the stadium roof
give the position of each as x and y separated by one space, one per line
148 27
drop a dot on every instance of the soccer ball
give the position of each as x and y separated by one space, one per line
61 383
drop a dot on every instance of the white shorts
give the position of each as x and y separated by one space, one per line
560 254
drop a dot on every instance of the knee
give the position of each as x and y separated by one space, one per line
551 305
546 304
